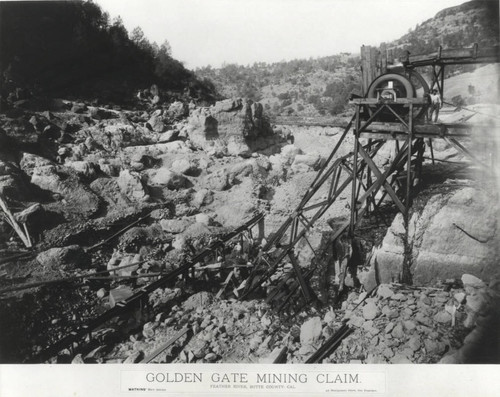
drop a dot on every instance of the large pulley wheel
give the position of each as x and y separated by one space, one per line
391 86
385 83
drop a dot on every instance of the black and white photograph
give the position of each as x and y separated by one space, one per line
249 197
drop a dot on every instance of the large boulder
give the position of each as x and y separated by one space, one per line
86 169
168 136
310 331
310 161
78 107
109 190
156 150
461 237
99 113
288 153
131 185
63 258
165 177
186 167
178 110
202 197
454 233
175 226
11 182
156 123
17 131
237 124
114 134
31 162
62 182
218 180
199 300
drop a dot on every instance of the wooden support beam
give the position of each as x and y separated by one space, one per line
317 205
469 154
334 151
396 114
293 289
402 136
262 231
225 284
23 235
387 127
383 179
408 167
432 151
454 56
335 182
368 66
398 101
355 171
166 345
360 128
300 278
383 58
281 357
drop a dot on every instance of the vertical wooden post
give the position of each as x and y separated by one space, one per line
406 269
383 58
373 64
390 56
371 198
261 234
441 86
300 278
354 174
408 165
368 65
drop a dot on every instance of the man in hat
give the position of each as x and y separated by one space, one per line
436 104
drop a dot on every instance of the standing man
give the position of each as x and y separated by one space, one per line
436 104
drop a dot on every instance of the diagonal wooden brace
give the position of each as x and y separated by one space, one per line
23 234
382 179
300 278
464 150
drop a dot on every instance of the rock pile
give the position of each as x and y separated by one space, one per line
134 193
397 325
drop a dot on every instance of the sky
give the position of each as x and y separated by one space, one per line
214 32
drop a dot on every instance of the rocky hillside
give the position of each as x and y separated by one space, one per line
461 26
320 87
110 200
75 174
314 87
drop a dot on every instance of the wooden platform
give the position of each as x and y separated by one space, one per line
381 130
459 56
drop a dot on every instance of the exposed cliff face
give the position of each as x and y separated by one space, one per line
455 233
234 127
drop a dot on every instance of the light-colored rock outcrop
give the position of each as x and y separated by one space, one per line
455 233
231 127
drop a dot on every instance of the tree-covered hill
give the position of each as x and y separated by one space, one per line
301 86
72 48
